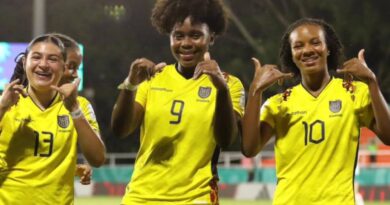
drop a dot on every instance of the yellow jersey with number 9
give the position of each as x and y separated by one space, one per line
174 163
38 152
317 142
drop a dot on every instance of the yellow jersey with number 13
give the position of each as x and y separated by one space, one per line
38 153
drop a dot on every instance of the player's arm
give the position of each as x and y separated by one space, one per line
256 133
358 68
226 120
90 142
127 114
225 128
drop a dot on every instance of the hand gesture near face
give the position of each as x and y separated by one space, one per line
357 67
68 92
11 94
210 67
142 69
265 76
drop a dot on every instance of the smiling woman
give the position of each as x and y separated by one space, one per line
40 128
44 67
316 124
176 163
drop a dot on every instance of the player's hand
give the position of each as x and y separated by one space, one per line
143 69
84 171
68 92
358 68
11 94
210 67
265 76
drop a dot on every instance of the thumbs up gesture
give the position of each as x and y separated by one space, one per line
358 68
210 67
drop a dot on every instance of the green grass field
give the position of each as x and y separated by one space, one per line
116 200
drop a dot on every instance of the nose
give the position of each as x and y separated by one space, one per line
186 42
43 63
307 50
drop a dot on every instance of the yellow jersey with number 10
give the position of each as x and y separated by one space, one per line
317 142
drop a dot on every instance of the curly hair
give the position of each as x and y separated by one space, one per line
333 43
166 13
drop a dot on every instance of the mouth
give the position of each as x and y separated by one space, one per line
187 56
310 61
43 75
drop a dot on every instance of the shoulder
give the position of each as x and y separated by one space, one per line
160 76
232 80
166 70
353 87
82 99
84 102
286 94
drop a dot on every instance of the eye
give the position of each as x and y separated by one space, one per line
196 35
316 42
178 36
297 46
54 59
72 66
35 56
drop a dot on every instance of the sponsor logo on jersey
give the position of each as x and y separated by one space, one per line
204 92
63 121
161 89
335 106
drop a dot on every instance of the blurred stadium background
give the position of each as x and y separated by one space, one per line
114 32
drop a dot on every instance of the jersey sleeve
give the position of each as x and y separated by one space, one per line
363 103
268 111
141 95
237 94
89 113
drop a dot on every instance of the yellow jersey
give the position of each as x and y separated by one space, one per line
175 160
317 141
38 153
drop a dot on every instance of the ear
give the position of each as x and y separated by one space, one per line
24 63
212 38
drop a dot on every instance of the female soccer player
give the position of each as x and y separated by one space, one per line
72 64
40 131
187 110
316 123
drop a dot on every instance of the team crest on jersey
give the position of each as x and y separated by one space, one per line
63 121
335 106
204 92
